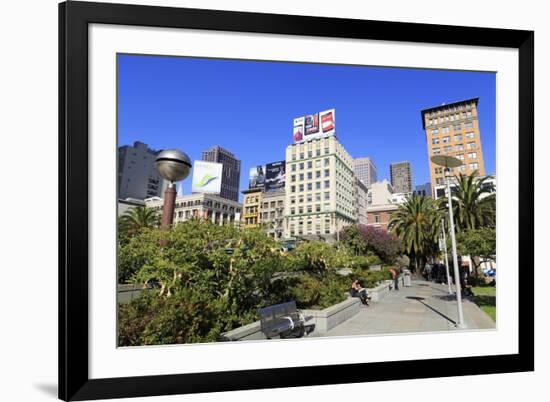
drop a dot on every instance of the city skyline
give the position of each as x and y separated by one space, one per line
248 107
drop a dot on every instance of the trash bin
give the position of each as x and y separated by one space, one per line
406 277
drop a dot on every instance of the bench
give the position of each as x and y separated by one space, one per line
284 320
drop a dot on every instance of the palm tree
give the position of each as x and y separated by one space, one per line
417 223
473 206
136 219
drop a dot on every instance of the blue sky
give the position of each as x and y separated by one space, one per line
248 107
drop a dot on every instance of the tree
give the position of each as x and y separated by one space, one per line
363 240
417 224
479 244
473 206
136 219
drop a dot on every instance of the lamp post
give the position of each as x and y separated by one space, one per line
173 165
446 256
449 162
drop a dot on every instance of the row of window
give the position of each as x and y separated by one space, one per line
450 117
272 204
309 209
456 128
448 148
309 198
302 155
456 138
309 186
309 164
309 175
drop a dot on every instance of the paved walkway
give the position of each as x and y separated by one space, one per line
424 306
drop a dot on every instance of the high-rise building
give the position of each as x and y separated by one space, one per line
319 189
365 170
137 175
231 172
453 129
401 177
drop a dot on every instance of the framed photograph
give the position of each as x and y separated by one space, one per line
259 200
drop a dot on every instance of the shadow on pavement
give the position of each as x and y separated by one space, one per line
421 300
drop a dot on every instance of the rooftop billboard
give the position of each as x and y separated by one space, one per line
322 124
275 176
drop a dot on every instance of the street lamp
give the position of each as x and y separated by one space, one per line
449 162
446 255
173 165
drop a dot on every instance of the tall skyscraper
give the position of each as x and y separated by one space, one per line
231 172
137 175
453 129
365 170
401 177
319 190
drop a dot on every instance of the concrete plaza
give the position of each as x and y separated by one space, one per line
422 307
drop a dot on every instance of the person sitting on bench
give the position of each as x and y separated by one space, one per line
358 291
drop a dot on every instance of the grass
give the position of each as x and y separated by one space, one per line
485 298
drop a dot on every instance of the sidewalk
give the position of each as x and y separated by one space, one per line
423 307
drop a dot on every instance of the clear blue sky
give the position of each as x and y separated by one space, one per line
248 107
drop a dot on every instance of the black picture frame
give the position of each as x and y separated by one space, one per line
74 18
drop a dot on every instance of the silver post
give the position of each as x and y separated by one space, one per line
446 256
460 323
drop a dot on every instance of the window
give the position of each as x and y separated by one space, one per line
457 127
309 175
459 147
439 180
309 210
293 200
301 188
472 155
469 125
317 196
438 170
377 218
310 186
435 131
445 130
293 177
301 155
460 156
470 135
326 151
447 149
445 139
317 207
471 145
317 185
327 195
317 174
473 166
436 151
327 173
309 198
327 161
309 164
309 154
458 137
462 168
318 163
293 167
293 157
318 152
300 211
435 140
301 165
327 183
301 177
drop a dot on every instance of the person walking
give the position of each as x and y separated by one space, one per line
395 278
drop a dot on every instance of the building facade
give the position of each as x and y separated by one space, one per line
319 189
401 177
361 196
423 190
380 193
218 210
365 170
453 129
379 215
272 213
137 174
231 172
252 202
